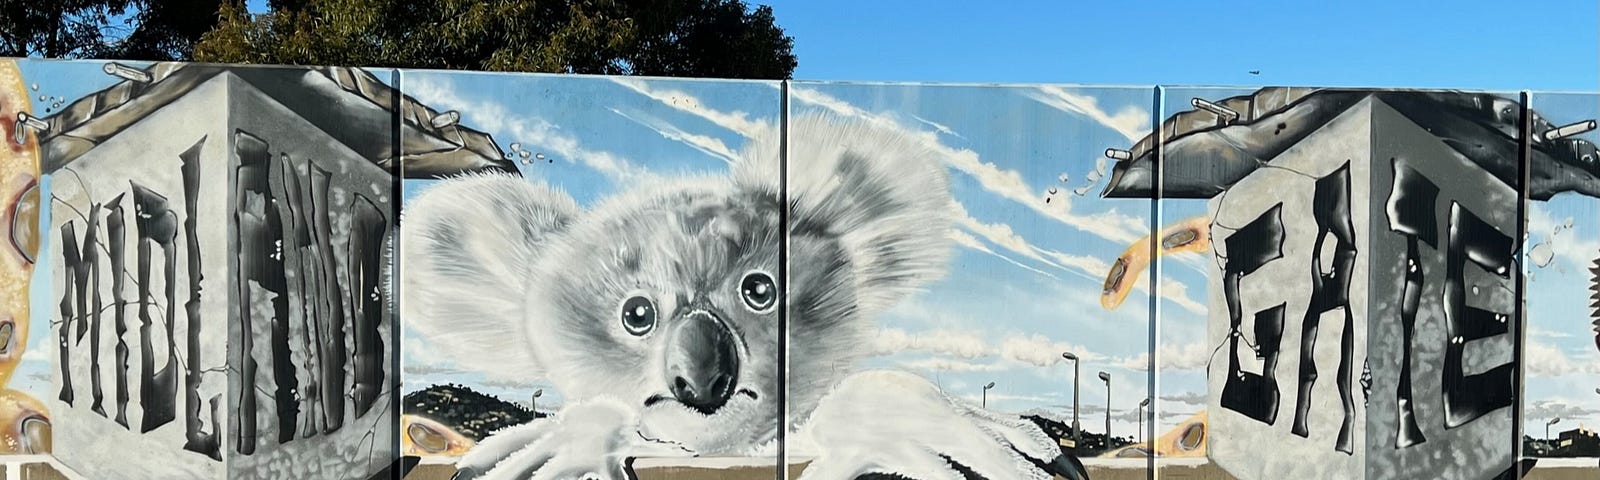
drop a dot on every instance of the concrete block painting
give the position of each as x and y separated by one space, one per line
1404 365
217 245
215 271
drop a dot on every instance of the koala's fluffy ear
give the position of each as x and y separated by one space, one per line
882 192
467 248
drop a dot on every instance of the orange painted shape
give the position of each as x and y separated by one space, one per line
421 436
24 422
1192 235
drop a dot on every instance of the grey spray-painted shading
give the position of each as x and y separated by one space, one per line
71 258
91 255
365 258
1469 239
273 278
197 440
255 250
1254 245
1330 291
330 301
297 250
1474 241
1411 204
80 274
156 224
1204 153
115 232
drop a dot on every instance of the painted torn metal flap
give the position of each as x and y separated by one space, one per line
350 104
1214 145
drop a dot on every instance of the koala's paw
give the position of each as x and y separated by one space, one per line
588 441
899 425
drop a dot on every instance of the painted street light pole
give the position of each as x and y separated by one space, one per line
1142 403
533 405
1077 430
1553 421
986 394
1106 377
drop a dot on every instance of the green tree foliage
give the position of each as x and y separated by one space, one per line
127 29
702 38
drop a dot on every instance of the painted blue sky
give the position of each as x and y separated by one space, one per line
1023 286
1476 44
1563 367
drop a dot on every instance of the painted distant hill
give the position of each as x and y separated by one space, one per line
468 412
1584 447
1093 443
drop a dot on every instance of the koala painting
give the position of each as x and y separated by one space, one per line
663 312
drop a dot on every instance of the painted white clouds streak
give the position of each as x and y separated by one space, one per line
1191 356
1545 360
532 132
1007 184
1132 122
960 349
705 144
738 122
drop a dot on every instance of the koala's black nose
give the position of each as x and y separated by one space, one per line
702 361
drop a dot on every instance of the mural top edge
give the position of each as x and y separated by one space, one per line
144 64
1224 88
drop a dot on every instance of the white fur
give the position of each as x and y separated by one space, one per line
465 257
497 265
906 169
896 422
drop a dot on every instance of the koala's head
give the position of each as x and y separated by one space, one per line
672 297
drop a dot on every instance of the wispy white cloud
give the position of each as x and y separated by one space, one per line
1178 293
1005 183
1002 235
937 126
1559 408
1540 332
976 398
1562 237
1189 356
705 144
955 345
1090 268
420 358
1549 361
1131 121
35 355
996 233
967 240
738 122
532 132
967 345
1040 351
1192 398
937 364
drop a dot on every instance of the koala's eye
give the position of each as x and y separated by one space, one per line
638 315
758 291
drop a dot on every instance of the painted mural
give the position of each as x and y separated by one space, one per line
343 273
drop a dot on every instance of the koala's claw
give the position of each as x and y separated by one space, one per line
593 440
